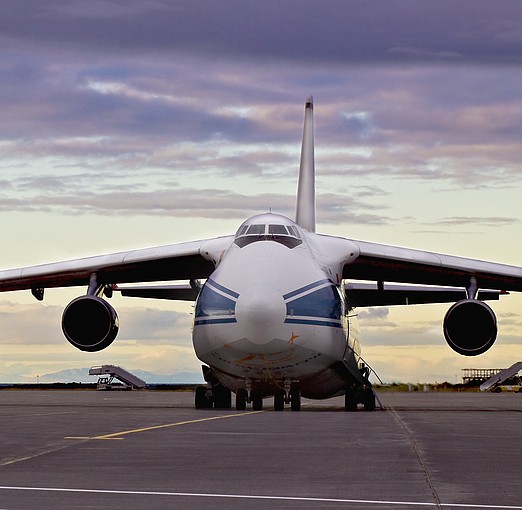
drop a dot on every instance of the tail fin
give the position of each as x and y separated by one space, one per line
305 210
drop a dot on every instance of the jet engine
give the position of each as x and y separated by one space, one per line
470 327
90 323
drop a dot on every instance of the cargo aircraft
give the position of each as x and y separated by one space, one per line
275 303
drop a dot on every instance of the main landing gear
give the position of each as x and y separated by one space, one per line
292 397
214 394
220 397
358 395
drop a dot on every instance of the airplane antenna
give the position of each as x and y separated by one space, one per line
305 209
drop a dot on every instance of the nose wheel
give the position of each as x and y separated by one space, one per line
241 399
257 399
279 400
295 399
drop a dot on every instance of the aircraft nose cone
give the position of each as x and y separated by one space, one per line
260 309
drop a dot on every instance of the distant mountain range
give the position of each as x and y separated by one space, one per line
82 375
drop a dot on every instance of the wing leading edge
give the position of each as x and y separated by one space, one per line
184 261
378 262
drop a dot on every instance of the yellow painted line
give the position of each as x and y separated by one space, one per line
88 437
145 429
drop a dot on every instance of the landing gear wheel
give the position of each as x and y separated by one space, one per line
295 399
368 399
202 402
350 399
279 400
241 399
222 397
257 400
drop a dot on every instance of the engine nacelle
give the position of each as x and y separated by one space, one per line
90 323
470 327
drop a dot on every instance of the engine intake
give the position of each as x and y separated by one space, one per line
90 323
470 327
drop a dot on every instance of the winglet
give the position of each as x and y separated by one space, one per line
305 210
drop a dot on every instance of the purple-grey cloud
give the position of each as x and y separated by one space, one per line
491 221
345 31
41 324
188 202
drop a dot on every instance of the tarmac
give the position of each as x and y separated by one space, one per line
153 450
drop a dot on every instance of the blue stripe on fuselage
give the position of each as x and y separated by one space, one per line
214 320
313 322
217 286
305 288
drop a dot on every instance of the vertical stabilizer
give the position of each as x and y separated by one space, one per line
305 210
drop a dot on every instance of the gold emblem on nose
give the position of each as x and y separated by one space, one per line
291 341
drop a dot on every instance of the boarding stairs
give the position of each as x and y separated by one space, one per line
109 372
501 376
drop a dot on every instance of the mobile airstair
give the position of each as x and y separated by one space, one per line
494 382
107 373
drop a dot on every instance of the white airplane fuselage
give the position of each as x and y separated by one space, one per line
273 313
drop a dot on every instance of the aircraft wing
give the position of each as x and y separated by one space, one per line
369 294
378 262
181 261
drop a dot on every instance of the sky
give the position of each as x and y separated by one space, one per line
128 124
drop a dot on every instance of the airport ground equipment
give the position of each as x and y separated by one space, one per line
494 382
475 375
109 372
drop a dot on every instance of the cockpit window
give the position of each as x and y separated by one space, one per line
277 230
293 231
256 230
242 230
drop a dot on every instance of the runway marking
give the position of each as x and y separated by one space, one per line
32 456
277 498
125 432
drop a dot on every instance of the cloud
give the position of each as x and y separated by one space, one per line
141 110
30 324
375 318
65 195
39 324
492 221
376 32
99 9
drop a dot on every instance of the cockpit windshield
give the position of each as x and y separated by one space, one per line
256 230
277 230
283 234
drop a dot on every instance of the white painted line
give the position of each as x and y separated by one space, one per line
246 496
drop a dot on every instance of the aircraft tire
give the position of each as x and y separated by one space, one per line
202 402
257 400
295 399
350 399
279 400
241 399
222 397
368 399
